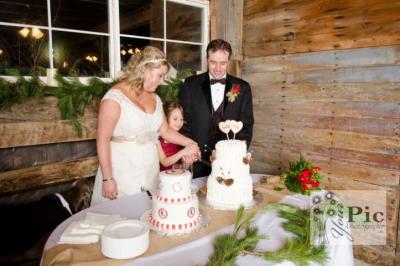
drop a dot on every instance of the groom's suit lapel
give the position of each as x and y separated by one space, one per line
207 92
228 86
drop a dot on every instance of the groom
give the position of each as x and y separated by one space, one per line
212 97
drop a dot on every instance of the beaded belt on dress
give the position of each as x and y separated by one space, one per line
139 138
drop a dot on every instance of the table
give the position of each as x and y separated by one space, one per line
197 251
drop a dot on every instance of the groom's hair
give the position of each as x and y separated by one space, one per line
219 44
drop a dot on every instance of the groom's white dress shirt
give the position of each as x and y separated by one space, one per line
217 93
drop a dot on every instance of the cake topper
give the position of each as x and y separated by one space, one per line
225 127
229 125
236 126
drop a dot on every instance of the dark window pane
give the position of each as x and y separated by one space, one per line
183 22
24 11
184 56
130 45
80 54
142 18
23 54
80 15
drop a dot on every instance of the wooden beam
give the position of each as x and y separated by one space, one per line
34 133
397 259
36 177
37 121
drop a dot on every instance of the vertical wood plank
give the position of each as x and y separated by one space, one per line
227 23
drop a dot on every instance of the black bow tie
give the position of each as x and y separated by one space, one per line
215 81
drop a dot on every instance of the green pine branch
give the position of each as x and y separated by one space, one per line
298 249
19 91
170 91
298 252
228 246
74 96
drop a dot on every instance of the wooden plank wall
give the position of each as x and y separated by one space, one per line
340 109
298 26
340 106
326 82
38 122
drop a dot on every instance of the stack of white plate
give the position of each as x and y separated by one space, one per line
125 239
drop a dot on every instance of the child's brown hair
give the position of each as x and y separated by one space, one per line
171 106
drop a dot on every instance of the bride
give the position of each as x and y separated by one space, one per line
130 121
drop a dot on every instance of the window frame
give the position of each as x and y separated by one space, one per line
114 34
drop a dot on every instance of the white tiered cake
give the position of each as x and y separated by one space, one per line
175 209
230 185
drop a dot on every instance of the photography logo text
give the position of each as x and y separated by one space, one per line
348 216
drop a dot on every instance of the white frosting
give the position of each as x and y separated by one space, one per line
230 150
228 164
175 183
175 209
181 217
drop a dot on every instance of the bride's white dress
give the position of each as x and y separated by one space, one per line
134 156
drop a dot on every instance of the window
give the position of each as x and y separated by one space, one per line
97 37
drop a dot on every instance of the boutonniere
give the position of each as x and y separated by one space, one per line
233 93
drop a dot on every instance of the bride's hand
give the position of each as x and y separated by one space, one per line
110 189
190 149
193 154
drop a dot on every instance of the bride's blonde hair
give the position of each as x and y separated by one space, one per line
133 72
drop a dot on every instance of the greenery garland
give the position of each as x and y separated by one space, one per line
171 89
19 91
73 95
299 249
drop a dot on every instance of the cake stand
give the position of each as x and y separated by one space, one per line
202 195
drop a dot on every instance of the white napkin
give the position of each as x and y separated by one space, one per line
88 229
99 220
71 237
300 201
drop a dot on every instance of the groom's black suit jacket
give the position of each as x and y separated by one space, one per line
195 98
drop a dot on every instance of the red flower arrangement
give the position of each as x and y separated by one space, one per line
302 177
233 93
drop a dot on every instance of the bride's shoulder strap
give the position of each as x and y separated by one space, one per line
114 94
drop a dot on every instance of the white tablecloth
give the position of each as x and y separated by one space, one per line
198 251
